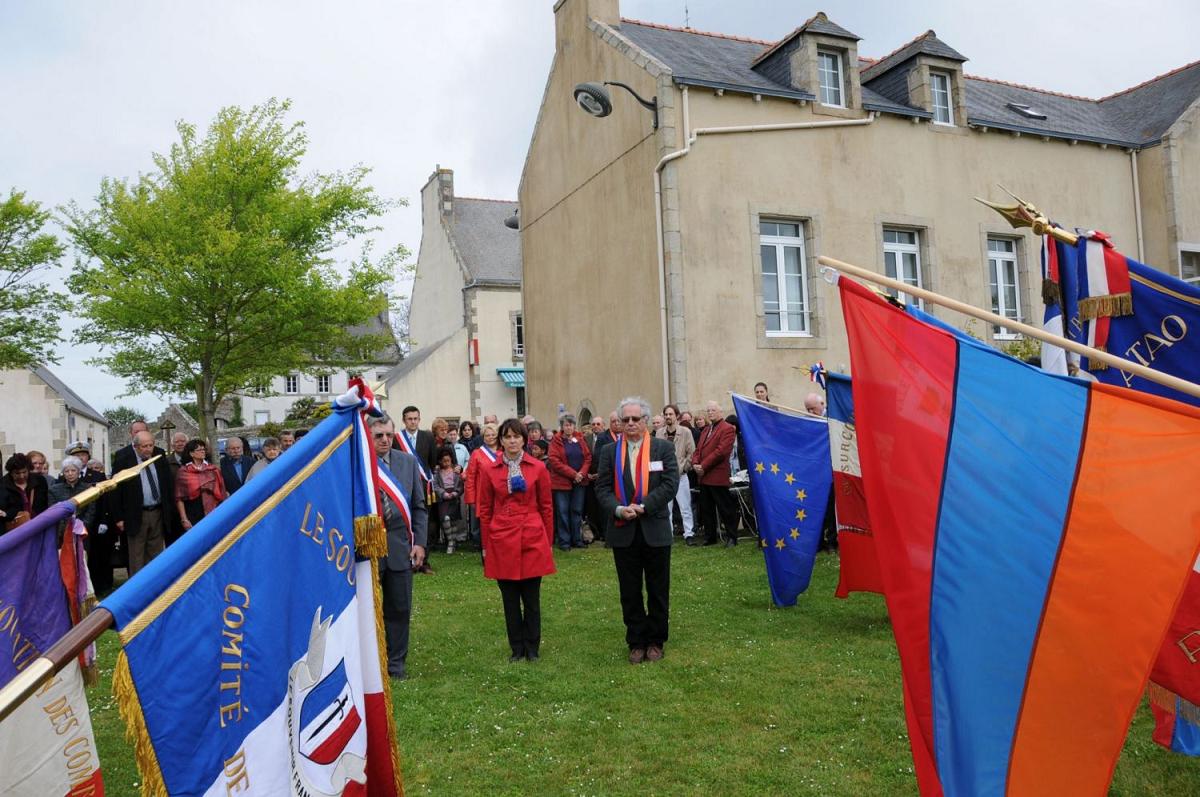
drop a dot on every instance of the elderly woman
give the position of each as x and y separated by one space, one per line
480 457
69 484
515 514
271 448
199 487
570 459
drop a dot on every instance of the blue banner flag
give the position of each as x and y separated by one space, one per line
790 477
251 653
47 745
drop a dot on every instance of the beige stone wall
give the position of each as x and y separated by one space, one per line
1153 192
491 310
35 418
587 235
438 385
437 300
1182 184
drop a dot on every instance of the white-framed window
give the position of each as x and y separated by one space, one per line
943 108
1189 263
1004 281
291 384
829 72
261 417
323 383
784 278
518 336
902 259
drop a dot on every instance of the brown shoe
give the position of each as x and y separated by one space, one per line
638 655
654 653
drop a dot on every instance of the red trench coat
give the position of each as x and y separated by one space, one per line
517 528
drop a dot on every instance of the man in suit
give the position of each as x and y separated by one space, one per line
235 465
597 518
145 506
420 441
711 464
125 457
640 534
406 543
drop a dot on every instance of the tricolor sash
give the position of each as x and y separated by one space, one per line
641 474
386 482
489 453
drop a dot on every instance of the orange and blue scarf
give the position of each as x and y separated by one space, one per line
641 475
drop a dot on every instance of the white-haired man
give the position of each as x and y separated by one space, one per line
638 477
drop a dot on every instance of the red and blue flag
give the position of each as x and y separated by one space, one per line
1035 533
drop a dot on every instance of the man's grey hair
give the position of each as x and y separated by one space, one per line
566 418
380 420
638 400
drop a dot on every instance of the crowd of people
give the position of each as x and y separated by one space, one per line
634 481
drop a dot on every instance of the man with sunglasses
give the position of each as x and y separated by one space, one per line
637 479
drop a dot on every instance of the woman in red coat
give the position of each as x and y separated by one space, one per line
488 452
517 521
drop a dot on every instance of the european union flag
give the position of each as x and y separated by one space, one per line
790 477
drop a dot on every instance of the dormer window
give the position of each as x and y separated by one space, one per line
943 109
829 72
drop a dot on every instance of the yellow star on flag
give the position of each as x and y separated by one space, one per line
774 469
794 534
789 478
801 495
759 468
800 514
762 542
780 544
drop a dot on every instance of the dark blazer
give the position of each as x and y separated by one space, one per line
229 474
404 468
656 522
598 442
127 502
424 450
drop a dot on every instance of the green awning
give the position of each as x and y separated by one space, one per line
513 377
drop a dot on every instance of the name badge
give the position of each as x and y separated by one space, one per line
656 466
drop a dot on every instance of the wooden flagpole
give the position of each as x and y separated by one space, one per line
64 651
1173 382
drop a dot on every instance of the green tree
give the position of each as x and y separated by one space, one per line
216 270
29 309
307 411
122 416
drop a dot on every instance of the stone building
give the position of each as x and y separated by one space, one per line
703 229
41 413
466 322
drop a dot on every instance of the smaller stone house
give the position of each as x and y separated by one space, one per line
41 413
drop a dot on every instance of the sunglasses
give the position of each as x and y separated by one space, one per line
632 419
381 435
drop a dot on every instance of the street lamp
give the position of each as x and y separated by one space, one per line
595 100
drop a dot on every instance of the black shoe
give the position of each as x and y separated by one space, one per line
732 541
707 543
691 541
532 657
514 658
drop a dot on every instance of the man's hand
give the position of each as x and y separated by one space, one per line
418 556
579 478
638 509
121 525
699 470
626 512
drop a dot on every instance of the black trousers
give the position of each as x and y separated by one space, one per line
397 611
714 501
100 556
645 622
524 627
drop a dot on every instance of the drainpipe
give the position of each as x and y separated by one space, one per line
689 138
1137 203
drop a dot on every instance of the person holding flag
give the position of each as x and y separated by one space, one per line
406 521
638 478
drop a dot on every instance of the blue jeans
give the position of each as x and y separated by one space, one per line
568 515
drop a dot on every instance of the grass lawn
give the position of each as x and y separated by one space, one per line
749 699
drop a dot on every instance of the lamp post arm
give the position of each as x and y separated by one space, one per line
650 105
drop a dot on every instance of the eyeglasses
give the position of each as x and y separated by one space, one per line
632 419
381 435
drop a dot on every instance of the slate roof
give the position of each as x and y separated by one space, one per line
1135 117
380 324
69 396
490 252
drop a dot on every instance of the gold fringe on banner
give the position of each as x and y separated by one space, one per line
136 732
91 673
381 640
1112 306
1098 365
370 537
1051 294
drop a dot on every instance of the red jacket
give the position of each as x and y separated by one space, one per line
517 528
475 463
562 477
712 452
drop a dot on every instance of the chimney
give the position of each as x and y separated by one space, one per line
446 190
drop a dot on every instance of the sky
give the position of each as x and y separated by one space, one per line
92 89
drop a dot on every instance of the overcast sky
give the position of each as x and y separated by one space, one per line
92 89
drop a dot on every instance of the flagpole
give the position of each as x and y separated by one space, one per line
1173 382
64 651
804 413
